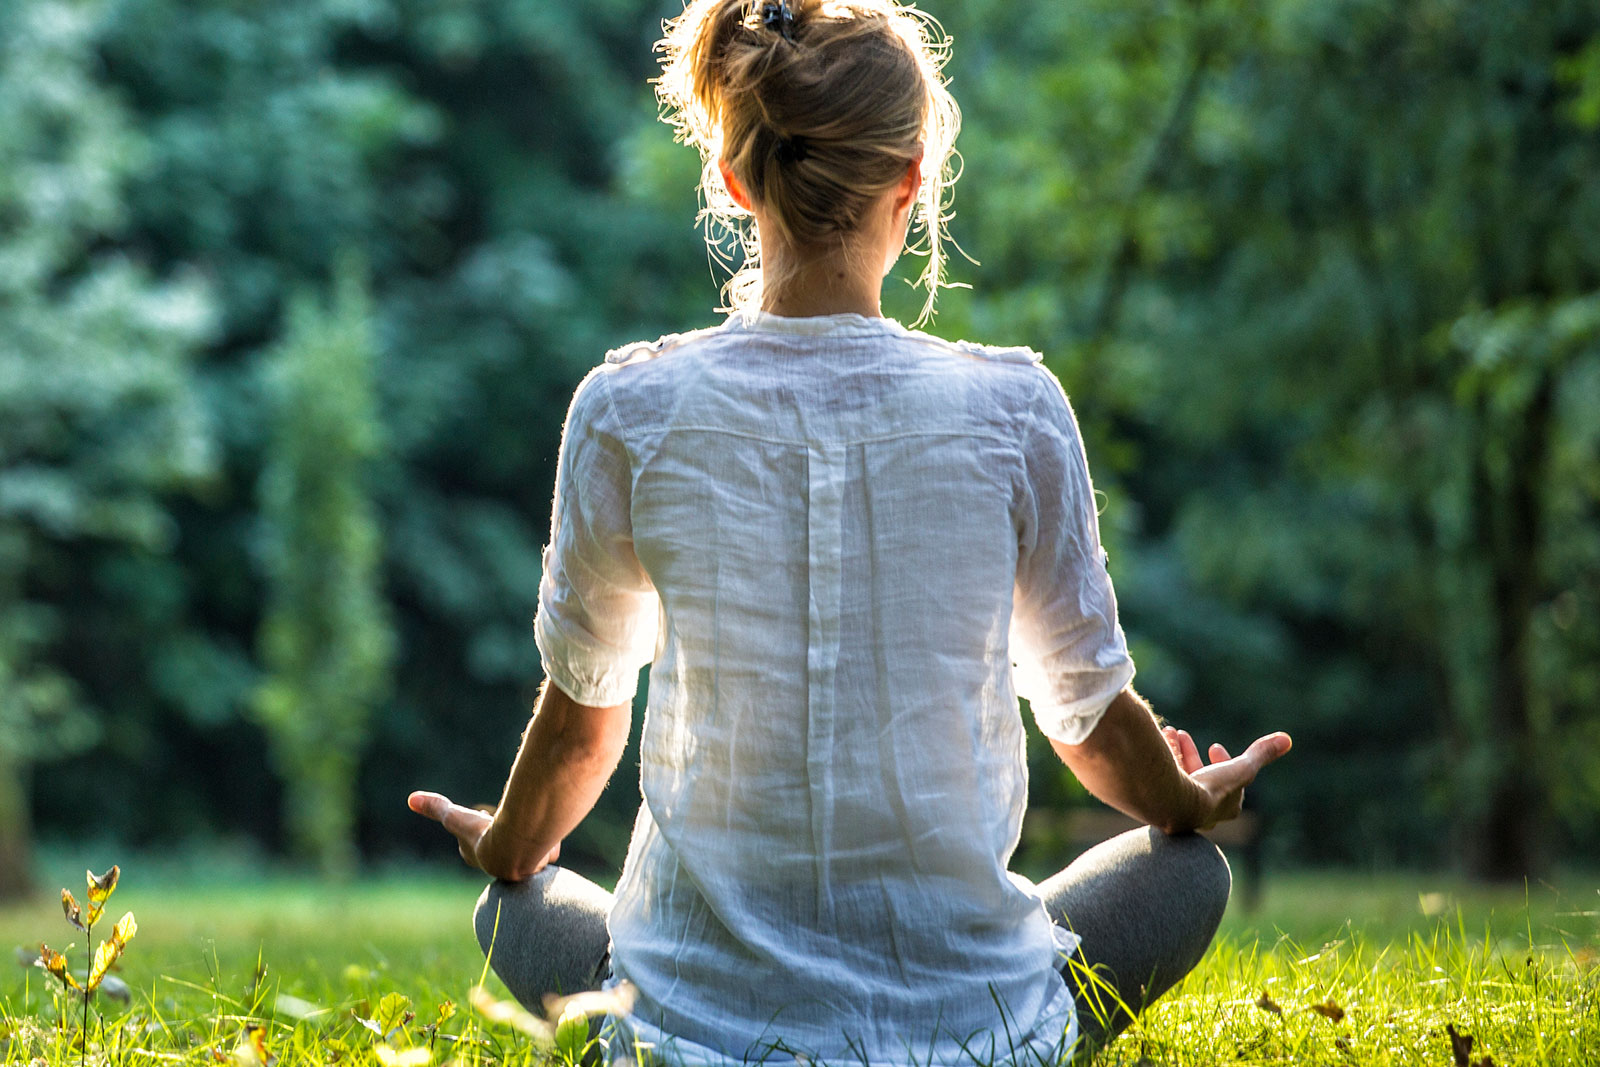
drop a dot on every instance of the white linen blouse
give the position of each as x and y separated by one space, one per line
847 548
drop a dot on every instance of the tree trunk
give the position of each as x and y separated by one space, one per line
16 829
1511 837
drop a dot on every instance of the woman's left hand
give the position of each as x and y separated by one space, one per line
475 835
1184 751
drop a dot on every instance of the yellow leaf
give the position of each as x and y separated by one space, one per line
394 1011
70 908
51 960
56 964
410 1057
104 957
103 885
125 929
446 1009
252 1051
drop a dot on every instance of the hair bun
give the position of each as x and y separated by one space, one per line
792 149
779 17
759 85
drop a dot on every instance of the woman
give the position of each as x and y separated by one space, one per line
833 536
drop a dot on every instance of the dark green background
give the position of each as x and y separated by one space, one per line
1322 279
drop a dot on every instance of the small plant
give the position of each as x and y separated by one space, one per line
100 888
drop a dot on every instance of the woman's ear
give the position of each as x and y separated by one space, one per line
904 198
910 186
735 187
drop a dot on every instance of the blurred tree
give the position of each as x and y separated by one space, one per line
1315 275
1274 249
472 154
326 642
98 417
470 151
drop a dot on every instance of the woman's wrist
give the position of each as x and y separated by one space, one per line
507 854
1191 808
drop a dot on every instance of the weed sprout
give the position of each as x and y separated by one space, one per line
98 966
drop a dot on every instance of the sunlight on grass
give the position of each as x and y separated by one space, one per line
1330 969
1356 999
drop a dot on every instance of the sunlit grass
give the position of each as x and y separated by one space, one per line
302 965
1360 1000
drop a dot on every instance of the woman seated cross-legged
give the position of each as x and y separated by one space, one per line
845 548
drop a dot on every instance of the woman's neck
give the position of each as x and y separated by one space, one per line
845 280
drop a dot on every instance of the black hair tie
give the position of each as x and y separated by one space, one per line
779 18
792 149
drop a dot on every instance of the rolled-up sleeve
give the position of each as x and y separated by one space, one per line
596 625
1071 657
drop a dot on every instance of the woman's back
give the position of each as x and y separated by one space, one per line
848 550
831 511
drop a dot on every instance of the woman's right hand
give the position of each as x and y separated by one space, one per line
477 838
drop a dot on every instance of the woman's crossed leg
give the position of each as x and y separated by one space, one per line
1146 905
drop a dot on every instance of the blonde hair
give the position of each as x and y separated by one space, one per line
818 114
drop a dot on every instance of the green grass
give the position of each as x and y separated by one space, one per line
1402 956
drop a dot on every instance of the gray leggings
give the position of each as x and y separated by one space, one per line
1146 905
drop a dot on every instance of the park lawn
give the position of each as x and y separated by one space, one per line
1390 960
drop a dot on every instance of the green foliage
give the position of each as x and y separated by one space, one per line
98 414
326 641
469 154
1319 278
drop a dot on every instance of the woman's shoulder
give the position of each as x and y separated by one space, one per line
1001 354
643 351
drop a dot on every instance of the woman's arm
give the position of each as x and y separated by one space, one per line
1156 775
568 753
595 628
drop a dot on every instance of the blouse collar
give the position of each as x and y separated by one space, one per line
844 324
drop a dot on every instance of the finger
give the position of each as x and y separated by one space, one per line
429 805
1234 774
1226 776
1191 753
1263 750
1170 736
1218 754
468 824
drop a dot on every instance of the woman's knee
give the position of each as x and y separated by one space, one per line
504 905
1197 869
546 934
486 914
1208 868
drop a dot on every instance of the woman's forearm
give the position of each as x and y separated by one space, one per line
568 753
1126 762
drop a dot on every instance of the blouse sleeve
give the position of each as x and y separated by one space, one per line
1071 658
596 625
